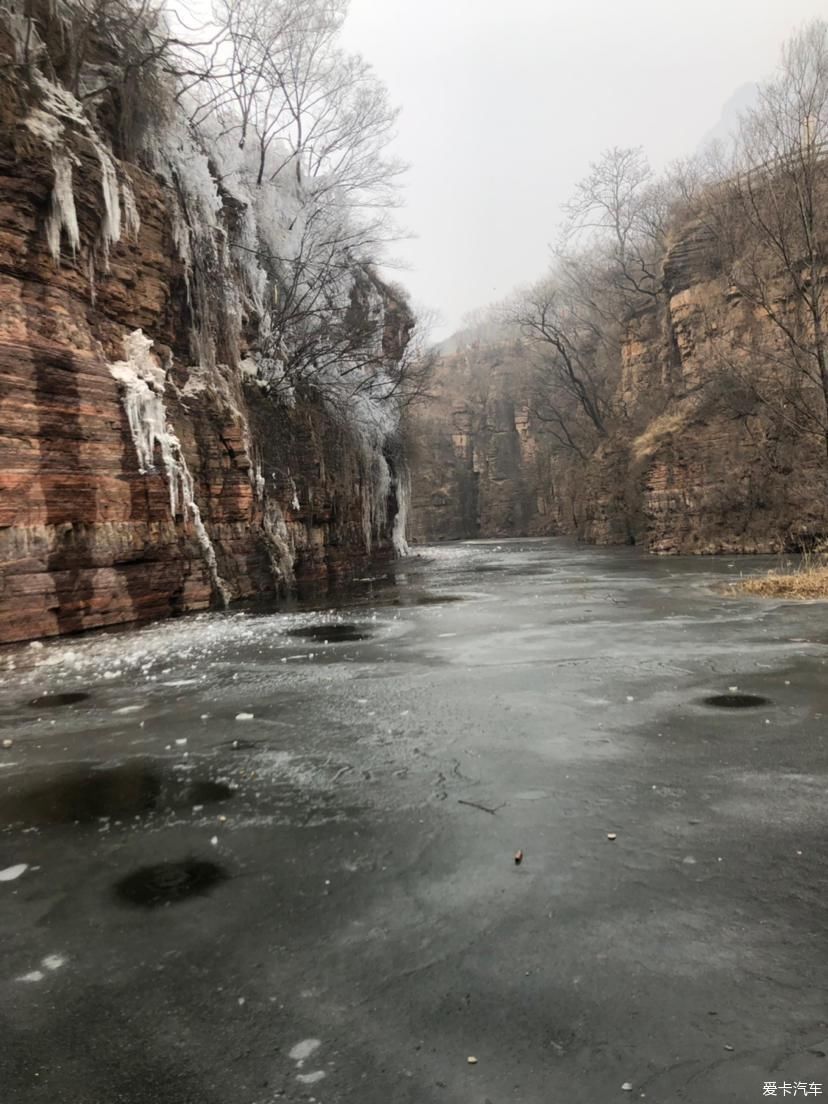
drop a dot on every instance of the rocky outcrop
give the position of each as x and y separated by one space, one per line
479 468
690 466
244 490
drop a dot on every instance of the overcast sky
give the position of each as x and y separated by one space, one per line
505 102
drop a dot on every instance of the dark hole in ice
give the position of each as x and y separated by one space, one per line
168 882
50 701
338 633
736 701
202 793
89 793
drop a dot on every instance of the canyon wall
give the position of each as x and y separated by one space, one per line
137 481
691 464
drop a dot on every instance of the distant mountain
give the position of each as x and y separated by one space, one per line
742 100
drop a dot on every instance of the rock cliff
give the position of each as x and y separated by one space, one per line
137 479
692 464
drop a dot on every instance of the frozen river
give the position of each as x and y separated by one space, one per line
266 856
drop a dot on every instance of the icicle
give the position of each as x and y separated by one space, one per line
62 213
258 480
278 543
380 492
132 220
376 485
143 380
111 221
49 123
398 535
90 272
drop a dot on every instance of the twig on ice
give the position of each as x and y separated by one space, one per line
483 808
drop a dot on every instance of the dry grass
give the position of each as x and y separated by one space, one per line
808 580
667 425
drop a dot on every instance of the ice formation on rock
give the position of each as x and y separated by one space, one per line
59 121
143 380
398 535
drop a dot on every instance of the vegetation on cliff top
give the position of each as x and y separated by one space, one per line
761 210
677 300
273 142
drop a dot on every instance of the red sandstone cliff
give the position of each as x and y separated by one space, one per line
281 490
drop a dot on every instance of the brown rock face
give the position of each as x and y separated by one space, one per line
688 465
86 537
479 468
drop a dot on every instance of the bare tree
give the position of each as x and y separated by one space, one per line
622 206
570 346
311 126
770 223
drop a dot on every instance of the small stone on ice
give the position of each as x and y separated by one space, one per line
7 743
244 716
471 1060
733 689
630 697
182 741
627 1086
727 1046
214 841
611 836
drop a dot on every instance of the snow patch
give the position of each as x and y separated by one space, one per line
11 873
310 1078
302 1051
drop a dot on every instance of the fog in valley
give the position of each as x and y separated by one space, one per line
505 105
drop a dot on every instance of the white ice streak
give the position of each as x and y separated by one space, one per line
62 213
132 219
398 535
143 380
